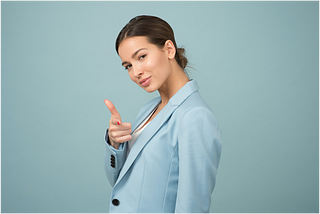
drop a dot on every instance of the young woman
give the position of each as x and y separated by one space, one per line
167 160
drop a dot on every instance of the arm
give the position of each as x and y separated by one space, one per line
199 142
116 138
114 160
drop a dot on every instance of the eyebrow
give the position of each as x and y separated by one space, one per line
133 55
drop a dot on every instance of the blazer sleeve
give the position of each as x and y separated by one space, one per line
114 160
199 143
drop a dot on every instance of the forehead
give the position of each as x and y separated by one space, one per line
130 45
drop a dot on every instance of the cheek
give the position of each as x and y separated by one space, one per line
132 77
155 62
150 64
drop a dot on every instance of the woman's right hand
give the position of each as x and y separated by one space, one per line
118 132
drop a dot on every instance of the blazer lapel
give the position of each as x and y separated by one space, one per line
144 114
155 124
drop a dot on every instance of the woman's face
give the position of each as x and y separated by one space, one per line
147 65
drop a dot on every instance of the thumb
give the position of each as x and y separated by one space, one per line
112 109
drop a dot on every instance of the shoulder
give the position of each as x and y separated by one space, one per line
194 103
188 98
194 110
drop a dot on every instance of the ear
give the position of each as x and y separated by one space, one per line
170 49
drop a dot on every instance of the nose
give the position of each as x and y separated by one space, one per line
138 71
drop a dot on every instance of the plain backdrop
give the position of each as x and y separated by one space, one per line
257 65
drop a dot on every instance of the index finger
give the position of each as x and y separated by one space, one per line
112 108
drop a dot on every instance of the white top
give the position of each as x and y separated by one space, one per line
138 131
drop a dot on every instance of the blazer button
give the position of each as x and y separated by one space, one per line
115 202
113 162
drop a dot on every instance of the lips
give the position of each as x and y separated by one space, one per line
145 81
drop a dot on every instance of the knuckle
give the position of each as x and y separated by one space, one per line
112 134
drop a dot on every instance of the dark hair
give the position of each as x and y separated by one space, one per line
157 32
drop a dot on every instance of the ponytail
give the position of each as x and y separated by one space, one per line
181 58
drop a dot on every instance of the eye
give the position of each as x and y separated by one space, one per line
142 56
127 67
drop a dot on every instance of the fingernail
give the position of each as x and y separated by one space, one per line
118 123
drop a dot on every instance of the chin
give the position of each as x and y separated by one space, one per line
149 89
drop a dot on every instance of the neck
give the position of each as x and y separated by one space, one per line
173 84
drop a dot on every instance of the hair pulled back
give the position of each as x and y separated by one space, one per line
157 32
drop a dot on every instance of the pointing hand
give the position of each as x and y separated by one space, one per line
118 132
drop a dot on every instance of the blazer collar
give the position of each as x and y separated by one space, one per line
145 136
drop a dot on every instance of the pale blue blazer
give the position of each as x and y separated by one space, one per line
172 165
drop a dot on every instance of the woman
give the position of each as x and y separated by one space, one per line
167 160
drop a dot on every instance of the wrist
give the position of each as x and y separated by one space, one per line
114 144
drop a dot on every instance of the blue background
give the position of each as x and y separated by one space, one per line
257 65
